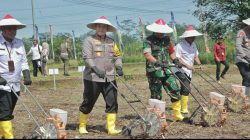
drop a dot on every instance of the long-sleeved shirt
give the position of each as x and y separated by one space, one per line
14 51
219 52
100 53
35 52
187 54
243 47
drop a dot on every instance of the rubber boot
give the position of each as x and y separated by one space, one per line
111 118
83 122
176 106
184 104
6 129
1 133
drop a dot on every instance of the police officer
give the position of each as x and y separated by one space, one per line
65 55
99 53
159 51
13 61
188 54
243 55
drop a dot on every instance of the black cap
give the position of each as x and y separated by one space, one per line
220 37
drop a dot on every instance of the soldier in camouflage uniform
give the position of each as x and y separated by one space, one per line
102 58
159 51
243 55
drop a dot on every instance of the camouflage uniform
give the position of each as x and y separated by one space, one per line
157 77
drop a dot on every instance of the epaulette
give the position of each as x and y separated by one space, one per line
241 34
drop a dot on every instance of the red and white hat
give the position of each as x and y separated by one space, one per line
246 21
8 20
159 26
102 20
190 32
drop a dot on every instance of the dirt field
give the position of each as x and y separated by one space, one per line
68 97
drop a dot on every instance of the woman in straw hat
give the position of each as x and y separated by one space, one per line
13 62
158 51
243 55
100 54
188 53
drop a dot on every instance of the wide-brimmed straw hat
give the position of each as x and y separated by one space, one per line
102 20
8 20
190 32
246 21
159 26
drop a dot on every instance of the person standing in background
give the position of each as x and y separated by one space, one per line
65 55
220 58
36 50
45 57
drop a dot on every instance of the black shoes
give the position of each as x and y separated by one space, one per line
66 74
223 76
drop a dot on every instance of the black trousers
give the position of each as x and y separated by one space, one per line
218 64
91 93
244 69
36 66
7 105
185 83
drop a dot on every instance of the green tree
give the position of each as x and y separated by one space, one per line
227 13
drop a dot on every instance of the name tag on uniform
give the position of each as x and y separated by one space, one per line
11 66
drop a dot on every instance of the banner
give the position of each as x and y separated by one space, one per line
174 28
119 27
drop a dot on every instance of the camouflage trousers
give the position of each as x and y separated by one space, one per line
168 83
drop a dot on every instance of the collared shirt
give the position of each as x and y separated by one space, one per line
104 54
65 48
219 52
18 55
35 52
187 54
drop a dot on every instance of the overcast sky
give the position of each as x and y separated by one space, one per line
68 15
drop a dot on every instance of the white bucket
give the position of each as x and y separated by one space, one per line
217 96
239 89
155 103
55 112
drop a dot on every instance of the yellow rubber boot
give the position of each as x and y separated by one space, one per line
184 104
176 106
83 122
6 129
1 133
111 118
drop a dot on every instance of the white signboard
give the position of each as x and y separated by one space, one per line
81 68
53 71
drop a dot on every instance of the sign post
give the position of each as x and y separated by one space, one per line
54 72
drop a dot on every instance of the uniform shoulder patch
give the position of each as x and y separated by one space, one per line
97 42
241 34
110 40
